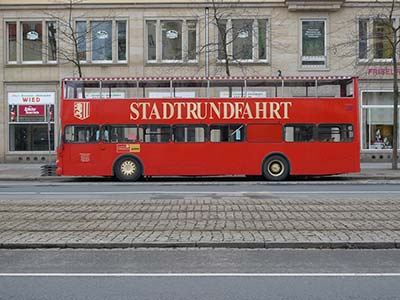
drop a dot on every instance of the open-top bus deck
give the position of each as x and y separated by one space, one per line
270 126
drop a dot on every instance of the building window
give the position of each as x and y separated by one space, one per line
242 39
374 39
171 40
313 43
102 39
32 42
81 32
51 41
382 38
121 33
32 38
363 39
12 41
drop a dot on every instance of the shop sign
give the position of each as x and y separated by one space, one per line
381 71
102 35
33 98
32 35
172 34
243 34
31 110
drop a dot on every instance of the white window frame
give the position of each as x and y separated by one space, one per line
185 40
19 42
254 34
114 40
370 40
323 58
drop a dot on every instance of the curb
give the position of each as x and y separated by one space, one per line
231 245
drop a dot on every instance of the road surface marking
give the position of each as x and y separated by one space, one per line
199 274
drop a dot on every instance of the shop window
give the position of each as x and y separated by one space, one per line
81 134
227 133
31 137
177 40
299 132
189 133
154 133
313 48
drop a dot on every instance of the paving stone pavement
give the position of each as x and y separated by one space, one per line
209 221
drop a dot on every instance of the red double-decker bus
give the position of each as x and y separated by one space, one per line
270 126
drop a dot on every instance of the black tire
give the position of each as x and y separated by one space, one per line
128 169
275 168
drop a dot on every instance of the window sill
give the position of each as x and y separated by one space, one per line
39 64
171 63
313 68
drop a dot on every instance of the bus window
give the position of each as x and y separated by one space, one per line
227 133
119 133
81 133
154 133
335 133
299 132
264 133
189 133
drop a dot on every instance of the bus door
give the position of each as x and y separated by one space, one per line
82 150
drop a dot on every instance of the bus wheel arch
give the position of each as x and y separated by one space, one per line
128 168
275 167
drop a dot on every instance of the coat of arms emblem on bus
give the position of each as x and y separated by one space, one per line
81 110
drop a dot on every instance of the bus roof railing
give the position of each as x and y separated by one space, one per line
191 78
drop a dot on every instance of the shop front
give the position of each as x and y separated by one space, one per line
31 118
376 125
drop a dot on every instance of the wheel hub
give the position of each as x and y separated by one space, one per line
128 168
275 168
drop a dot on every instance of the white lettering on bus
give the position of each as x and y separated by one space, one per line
211 110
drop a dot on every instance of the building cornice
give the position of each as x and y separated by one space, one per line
314 5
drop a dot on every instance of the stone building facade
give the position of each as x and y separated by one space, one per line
180 38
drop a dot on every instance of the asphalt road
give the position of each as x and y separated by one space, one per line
199 274
185 188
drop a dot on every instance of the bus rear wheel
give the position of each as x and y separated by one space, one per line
275 168
128 169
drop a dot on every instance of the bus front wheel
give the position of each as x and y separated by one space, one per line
128 169
275 168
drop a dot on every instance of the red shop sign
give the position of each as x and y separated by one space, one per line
31 110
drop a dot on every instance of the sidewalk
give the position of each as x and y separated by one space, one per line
369 171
